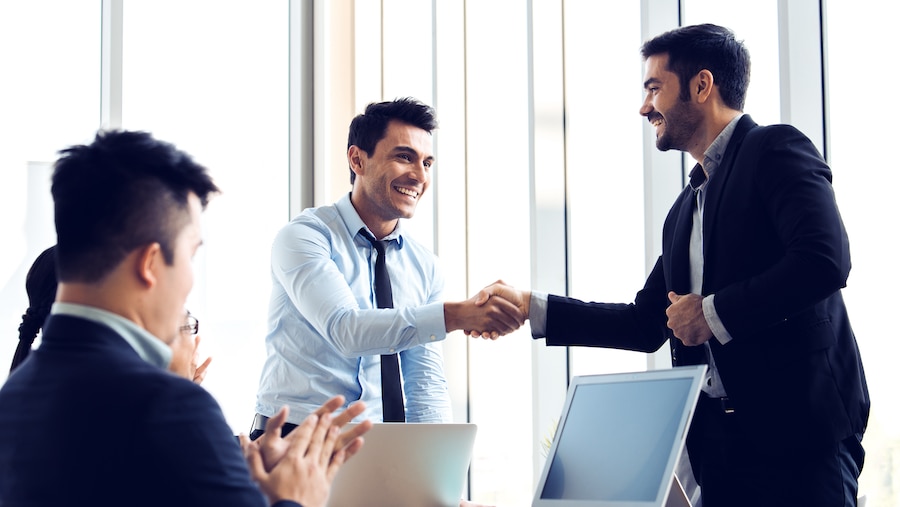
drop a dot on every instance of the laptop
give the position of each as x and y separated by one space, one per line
407 465
618 440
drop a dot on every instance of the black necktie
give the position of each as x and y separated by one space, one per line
391 390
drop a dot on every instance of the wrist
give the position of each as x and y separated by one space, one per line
450 320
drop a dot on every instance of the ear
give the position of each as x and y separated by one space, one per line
702 85
356 158
147 260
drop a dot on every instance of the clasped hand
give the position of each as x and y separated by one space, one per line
512 300
686 319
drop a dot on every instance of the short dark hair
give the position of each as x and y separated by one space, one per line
123 191
712 47
368 128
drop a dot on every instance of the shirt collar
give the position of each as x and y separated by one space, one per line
713 155
354 223
701 173
149 347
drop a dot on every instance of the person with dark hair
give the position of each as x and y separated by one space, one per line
370 127
186 351
754 257
40 285
330 328
93 417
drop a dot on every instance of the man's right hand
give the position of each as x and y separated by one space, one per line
496 315
274 447
496 292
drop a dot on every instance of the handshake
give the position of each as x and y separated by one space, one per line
496 310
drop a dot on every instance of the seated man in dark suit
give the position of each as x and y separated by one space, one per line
93 417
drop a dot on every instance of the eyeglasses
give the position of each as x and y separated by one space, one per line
191 324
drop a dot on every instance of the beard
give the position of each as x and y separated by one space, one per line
681 122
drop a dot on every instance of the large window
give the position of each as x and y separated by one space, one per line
866 180
604 177
497 195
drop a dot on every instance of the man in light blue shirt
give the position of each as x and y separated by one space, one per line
326 332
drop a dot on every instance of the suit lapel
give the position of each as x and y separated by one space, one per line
719 180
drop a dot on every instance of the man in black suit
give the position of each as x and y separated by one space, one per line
754 256
92 417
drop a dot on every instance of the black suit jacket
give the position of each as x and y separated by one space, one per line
85 421
776 256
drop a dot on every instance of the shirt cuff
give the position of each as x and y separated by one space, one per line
713 320
537 314
430 324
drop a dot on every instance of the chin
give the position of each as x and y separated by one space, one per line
407 211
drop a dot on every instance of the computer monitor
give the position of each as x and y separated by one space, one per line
619 439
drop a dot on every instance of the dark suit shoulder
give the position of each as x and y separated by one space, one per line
773 140
102 425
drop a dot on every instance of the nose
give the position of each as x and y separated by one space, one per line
419 172
646 107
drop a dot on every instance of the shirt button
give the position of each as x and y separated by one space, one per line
392 350
433 337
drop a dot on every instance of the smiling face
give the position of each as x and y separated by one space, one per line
390 181
677 121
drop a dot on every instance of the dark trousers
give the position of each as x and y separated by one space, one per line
735 471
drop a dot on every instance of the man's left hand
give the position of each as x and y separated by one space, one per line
686 319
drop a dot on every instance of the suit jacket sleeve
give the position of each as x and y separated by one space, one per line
639 326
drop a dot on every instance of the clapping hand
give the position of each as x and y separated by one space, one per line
301 465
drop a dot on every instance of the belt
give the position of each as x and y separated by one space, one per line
259 424
724 404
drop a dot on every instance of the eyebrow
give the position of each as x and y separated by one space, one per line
651 81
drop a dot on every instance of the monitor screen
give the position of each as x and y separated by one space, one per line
616 440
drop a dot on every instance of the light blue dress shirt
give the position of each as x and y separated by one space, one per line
325 333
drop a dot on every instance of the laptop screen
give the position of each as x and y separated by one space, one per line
619 438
